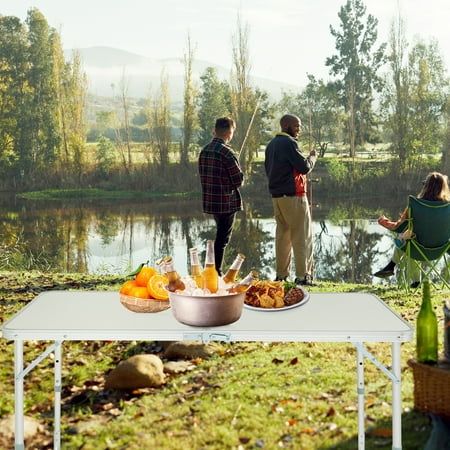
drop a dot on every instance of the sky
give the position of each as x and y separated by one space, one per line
287 38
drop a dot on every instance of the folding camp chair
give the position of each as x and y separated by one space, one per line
427 240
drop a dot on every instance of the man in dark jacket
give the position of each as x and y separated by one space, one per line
221 176
286 169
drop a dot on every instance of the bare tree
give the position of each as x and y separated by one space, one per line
189 114
122 127
244 101
159 122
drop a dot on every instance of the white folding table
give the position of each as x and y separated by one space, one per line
328 317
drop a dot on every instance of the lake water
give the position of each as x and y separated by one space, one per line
113 237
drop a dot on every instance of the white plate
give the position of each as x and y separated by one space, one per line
284 308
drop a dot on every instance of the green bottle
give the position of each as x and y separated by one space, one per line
426 329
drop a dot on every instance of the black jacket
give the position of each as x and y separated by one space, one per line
282 157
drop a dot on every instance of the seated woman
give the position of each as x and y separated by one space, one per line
435 188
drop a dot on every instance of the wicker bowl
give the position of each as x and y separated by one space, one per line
432 387
141 305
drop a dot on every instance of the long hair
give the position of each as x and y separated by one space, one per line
435 188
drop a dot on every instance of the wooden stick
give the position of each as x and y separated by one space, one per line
249 126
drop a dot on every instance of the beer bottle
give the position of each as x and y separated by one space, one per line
175 283
161 264
196 271
210 275
245 283
426 329
232 272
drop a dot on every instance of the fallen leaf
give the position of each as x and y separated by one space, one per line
115 412
244 440
293 361
331 412
381 432
107 406
308 430
350 408
291 422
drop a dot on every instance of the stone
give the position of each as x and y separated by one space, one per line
139 371
190 350
31 427
178 366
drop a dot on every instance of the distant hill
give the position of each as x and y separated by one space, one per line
104 67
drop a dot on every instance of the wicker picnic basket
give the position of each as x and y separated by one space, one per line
432 387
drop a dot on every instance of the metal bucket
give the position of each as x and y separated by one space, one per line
211 311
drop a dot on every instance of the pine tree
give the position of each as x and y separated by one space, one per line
356 67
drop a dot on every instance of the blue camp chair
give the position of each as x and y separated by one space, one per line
429 228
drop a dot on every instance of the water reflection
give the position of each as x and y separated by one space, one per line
112 237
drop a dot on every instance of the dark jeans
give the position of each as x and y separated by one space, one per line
224 224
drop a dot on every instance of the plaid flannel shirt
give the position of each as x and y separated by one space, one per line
220 176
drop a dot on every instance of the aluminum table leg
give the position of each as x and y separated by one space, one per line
396 398
57 405
18 395
360 390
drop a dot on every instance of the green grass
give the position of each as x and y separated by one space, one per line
247 396
92 193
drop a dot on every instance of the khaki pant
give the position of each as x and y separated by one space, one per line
293 232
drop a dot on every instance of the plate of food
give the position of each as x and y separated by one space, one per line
275 296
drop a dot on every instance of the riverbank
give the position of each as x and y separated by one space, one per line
247 395
331 176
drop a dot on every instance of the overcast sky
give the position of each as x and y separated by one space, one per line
288 38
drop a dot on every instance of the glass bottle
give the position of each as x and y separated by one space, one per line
210 275
161 264
175 283
232 272
245 283
196 271
426 329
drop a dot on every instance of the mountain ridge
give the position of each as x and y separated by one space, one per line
106 66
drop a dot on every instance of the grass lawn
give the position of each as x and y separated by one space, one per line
247 396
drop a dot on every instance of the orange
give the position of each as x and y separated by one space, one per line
140 292
127 286
144 275
156 287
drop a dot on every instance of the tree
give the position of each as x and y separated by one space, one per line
243 101
189 111
73 106
13 90
42 107
396 93
356 66
213 102
159 122
446 143
429 92
414 98
317 106
104 155
246 101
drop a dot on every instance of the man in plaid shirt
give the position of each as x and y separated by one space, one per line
221 176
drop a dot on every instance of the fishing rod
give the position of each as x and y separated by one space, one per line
249 127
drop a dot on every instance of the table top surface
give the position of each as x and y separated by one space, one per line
88 315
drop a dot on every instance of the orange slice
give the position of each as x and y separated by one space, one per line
144 275
156 287
127 286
